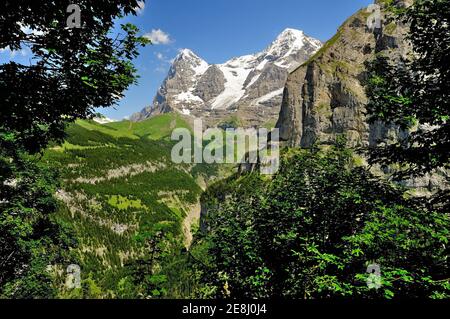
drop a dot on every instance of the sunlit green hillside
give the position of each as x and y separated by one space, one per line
117 180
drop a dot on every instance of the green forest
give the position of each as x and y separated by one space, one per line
334 222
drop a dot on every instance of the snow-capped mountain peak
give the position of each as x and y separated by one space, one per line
291 36
287 43
250 84
186 54
187 58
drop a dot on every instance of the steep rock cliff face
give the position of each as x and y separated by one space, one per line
325 96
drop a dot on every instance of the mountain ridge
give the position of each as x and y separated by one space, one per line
249 85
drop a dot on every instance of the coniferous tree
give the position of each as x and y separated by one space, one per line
71 72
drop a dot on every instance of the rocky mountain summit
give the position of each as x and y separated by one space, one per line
248 88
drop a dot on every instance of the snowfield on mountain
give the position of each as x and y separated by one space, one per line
249 87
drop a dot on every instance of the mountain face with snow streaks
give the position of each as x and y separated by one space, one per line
248 88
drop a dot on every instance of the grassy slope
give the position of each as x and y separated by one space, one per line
118 177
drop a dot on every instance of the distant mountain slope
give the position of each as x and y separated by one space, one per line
249 87
118 177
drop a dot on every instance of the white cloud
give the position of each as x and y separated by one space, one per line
157 36
25 51
163 58
140 7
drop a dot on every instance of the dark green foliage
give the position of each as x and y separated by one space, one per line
234 247
413 94
116 264
314 229
30 238
71 72
416 92
156 241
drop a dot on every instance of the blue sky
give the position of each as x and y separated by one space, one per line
218 30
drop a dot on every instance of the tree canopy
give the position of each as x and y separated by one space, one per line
71 72
414 93
315 230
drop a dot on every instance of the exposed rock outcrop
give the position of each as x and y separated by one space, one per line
211 84
325 96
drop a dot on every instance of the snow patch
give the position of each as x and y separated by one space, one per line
235 74
187 97
261 66
201 68
269 96
103 120
255 78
